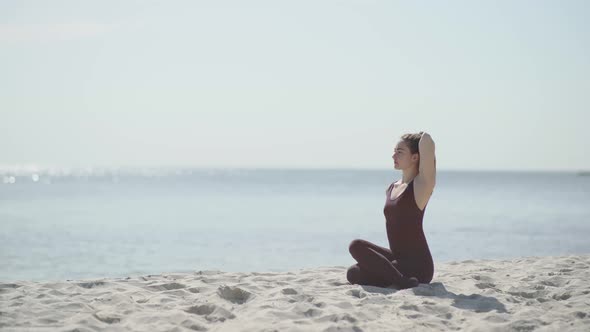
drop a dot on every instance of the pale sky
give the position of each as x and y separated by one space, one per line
500 85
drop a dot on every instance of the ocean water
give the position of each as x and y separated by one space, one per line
57 225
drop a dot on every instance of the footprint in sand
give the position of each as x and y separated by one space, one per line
289 291
312 312
108 318
211 312
555 281
409 307
166 286
195 290
320 304
525 324
234 294
579 314
301 298
484 285
189 324
304 310
357 293
8 286
527 294
337 318
353 328
91 284
562 296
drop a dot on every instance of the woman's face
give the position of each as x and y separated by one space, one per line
402 157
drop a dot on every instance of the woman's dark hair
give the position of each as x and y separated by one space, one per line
412 141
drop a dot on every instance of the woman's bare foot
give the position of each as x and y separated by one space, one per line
406 283
412 282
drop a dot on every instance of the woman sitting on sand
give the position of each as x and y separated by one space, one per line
408 261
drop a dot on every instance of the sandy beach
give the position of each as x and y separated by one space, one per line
524 294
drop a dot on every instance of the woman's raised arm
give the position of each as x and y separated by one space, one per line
427 166
426 178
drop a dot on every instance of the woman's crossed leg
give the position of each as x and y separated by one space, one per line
376 266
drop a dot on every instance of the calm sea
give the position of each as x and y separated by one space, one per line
104 223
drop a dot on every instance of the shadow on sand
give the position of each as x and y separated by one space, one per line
474 302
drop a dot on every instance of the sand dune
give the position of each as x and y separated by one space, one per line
525 294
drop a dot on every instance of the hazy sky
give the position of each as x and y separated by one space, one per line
299 84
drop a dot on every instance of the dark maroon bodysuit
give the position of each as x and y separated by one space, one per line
408 254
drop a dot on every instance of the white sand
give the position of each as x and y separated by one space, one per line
534 293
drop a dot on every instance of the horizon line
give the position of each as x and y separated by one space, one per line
32 168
